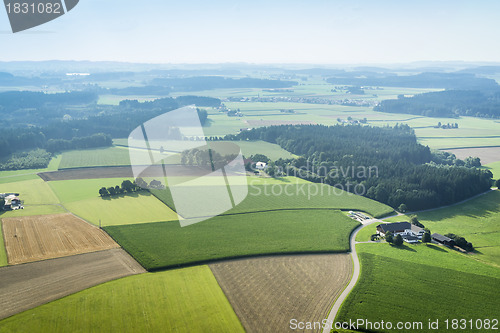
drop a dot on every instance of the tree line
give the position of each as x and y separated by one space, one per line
407 172
448 103
129 187
422 80
198 83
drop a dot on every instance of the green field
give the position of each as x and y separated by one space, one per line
293 196
81 197
3 254
477 220
184 300
365 233
33 192
160 245
81 189
494 168
37 195
111 156
426 282
138 208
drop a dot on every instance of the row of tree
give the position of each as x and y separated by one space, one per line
388 163
128 187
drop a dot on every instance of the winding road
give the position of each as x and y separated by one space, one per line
356 269
355 274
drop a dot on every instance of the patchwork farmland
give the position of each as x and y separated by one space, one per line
185 300
167 244
35 238
27 286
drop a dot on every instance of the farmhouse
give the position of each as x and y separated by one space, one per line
442 239
12 201
410 232
260 165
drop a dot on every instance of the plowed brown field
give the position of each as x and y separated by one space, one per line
266 293
34 238
26 286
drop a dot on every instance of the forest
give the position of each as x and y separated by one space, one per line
407 172
424 80
216 82
93 129
448 103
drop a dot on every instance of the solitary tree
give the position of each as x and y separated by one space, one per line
402 208
426 238
389 237
398 240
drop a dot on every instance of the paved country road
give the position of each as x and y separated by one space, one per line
354 278
356 269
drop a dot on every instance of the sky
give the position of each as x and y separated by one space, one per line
257 31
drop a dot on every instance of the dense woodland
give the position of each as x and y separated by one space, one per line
199 83
408 173
93 126
423 80
449 103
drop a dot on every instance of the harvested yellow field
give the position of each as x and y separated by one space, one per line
34 238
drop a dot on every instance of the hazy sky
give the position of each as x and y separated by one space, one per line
256 31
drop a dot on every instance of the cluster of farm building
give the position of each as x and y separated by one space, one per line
410 233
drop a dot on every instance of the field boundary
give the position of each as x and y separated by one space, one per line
32 284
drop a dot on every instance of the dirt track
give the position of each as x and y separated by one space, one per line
266 293
34 238
26 286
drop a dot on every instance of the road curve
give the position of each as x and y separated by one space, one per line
356 270
354 278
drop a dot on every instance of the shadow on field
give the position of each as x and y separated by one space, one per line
124 195
437 248
404 247
481 207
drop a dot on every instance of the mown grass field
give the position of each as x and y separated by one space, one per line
81 189
33 192
426 282
365 233
282 195
185 300
139 208
37 195
81 197
111 156
166 244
